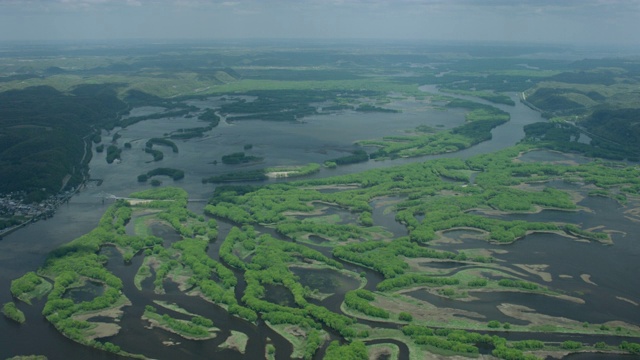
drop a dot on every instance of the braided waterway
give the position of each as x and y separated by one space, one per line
314 140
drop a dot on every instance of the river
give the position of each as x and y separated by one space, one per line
314 140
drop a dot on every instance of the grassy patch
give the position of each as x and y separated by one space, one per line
184 328
295 335
416 352
29 287
292 171
236 341
305 341
141 226
143 273
324 219
174 307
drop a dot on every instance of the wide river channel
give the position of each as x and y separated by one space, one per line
316 139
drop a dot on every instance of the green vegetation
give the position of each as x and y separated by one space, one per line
29 286
633 348
194 329
274 225
597 100
453 341
113 153
359 300
157 154
143 273
481 119
237 340
42 131
239 158
565 137
445 209
425 189
270 352
167 193
189 133
292 100
210 116
356 351
405 316
77 262
74 264
355 157
276 105
12 312
486 95
294 171
264 174
250 175
161 115
175 174
160 141
406 280
372 108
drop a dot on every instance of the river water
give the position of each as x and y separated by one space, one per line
314 140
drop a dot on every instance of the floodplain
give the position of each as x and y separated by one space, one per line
464 230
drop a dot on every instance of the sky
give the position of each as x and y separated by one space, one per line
579 22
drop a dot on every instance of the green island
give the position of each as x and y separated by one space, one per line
236 341
501 185
157 154
198 328
280 172
12 312
175 174
352 259
480 120
240 158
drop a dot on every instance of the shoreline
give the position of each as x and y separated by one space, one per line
49 213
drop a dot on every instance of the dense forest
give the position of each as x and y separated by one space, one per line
46 135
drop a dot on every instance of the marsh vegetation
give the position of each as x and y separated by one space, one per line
458 253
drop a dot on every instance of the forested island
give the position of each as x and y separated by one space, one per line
399 237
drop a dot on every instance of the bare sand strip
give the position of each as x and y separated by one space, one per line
627 300
587 278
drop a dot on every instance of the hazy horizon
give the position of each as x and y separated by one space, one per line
589 22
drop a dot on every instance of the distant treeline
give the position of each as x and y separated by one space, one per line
284 105
239 158
161 141
372 108
250 175
175 174
161 115
209 116
356 156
